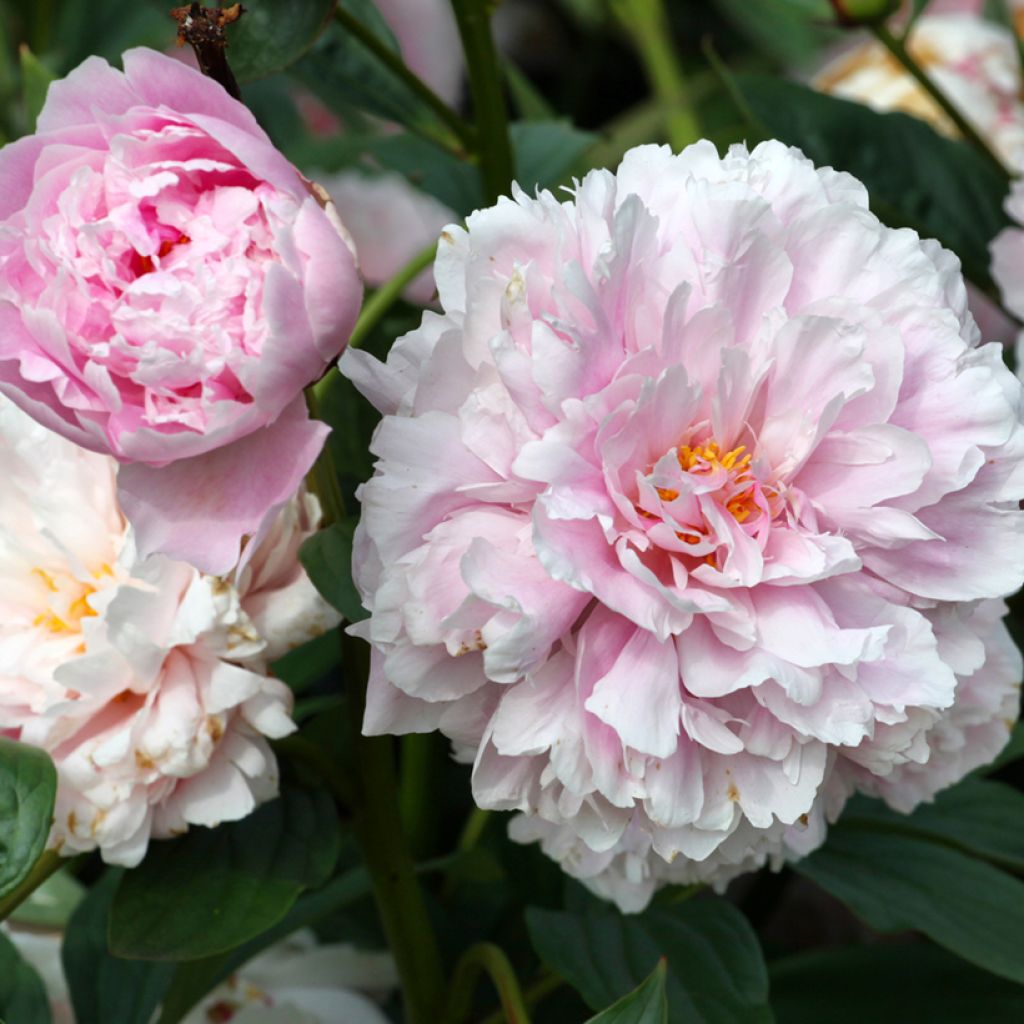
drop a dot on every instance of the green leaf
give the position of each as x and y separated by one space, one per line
340 69
898 882
22 996
912 984
28 786
213 889
455 182
716 974
547 152
273 34
978 816
106 989
647 1004
35 80
327 559
195 979
915 177
791 32
529 102
53 903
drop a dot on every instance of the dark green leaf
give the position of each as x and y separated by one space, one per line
105 989
35 80
791 32
339 67
28 785
327 558
644 1005
273 34
547 152
716 974
912 984
916 178
978 816
530 103
22 996
898 882
52 904
213 889
193 980
455 182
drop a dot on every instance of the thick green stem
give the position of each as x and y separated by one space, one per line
393 61
378 828
47 864
419 775
897 48
487 958
542 987
497 167
647 25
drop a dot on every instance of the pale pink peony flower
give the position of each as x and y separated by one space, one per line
145 680
390 222
168 285
973 61
677 510
429 40
1007 251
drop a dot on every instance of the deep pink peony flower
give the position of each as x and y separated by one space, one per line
683 513
168 285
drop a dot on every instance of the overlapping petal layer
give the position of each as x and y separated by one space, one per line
145 680
690 513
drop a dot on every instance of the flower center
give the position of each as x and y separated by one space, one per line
144 264
67 600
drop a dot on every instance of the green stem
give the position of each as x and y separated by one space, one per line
378 828
388 294
47 864
393 61
487 958
541 988
647 25
497 167
897 48
322 479
419 776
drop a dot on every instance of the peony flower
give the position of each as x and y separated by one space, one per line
145 680
690 515
169 283
390 222
300 982
973 61
428 37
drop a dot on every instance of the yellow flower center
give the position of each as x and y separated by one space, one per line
67 601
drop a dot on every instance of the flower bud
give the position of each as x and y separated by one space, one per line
854 13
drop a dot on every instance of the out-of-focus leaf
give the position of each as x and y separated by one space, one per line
455 182
327 558
897 882
35 80
53 903
28 786
912 984
1012 751
194 979
339 67
273 34
22 996
915 177
646 1004
791 32
309 664
106 989
981 817
546 152
213 889
716 974
528 100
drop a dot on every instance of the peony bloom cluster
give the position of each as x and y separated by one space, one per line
692 515
169 283
145 680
